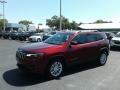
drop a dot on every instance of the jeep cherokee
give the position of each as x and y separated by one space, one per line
53 55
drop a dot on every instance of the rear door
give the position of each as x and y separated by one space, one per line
87 48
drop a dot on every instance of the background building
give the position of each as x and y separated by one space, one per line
15 27
19 27
109 27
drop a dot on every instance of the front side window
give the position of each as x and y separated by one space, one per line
80 39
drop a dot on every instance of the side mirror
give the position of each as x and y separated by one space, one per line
74 43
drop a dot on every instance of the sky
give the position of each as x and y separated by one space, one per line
38 11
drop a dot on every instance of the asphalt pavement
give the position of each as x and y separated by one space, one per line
81 77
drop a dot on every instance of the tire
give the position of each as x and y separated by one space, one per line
38 40
102 58
55 68
13 38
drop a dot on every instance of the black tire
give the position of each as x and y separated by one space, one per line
102 58
13 38
38 40
55 71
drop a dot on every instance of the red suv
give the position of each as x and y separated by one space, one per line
62 50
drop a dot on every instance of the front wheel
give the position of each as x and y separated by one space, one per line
102 58
55 68
38 40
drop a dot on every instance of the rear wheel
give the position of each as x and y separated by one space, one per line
102 58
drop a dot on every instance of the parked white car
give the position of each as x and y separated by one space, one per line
36 37
115 42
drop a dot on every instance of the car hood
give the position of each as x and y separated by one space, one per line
36 46
116 38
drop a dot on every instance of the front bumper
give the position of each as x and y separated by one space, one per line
31 65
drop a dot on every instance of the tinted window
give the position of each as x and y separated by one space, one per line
80 39
94 37
99 37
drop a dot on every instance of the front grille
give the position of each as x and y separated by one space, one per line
20 55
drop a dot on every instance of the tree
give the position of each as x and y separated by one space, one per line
54 22
2 23
102 21
74 25
25 22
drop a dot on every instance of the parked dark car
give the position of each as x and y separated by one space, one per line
25 35
15 35
63 49
6 35
1 34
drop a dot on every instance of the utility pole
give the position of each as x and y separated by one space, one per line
3 2
60 15
0 16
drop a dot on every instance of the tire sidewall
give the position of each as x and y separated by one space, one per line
38 40
49 67
100 62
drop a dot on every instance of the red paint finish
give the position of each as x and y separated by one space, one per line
80 52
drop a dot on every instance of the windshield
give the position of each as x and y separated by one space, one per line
58 38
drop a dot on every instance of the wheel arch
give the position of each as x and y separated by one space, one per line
104 50
61 57
51 59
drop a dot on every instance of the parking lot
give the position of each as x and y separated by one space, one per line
81 77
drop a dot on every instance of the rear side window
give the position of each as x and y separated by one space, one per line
99 37
94 37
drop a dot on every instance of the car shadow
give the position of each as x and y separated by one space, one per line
17 78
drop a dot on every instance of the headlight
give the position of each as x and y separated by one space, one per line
37 55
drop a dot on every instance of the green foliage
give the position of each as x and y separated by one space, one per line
25 22
102 21
54 22
73 25
2 23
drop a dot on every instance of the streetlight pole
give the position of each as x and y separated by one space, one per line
3 2
0 16
60 15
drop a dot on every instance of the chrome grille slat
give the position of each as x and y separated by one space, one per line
20 54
